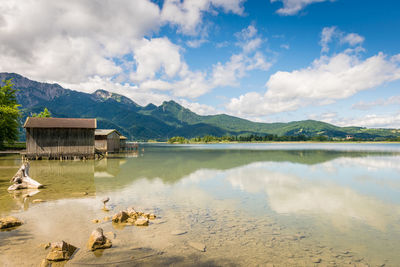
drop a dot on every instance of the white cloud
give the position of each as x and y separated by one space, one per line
285 46
92 43
154 55
142 97
326 37
71 41
371 121
393 100
352 39
325 81
228 73
187 14
250 58
196 43
385 120
192 84
329 34
198 108
292 7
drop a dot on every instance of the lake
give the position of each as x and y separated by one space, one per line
249 204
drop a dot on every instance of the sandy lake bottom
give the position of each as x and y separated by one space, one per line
257 205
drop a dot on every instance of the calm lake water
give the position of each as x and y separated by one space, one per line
249 204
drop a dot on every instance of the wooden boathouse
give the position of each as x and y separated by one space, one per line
58 138
107 140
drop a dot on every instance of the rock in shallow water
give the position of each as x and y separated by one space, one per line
120 217
9 222
98 240
60 251
142 222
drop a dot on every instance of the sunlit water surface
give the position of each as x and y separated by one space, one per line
280 204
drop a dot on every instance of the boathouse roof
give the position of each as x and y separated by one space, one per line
105 131
33 122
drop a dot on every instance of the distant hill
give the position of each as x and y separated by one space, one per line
164 121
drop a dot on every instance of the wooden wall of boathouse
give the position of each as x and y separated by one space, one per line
59 142
109 142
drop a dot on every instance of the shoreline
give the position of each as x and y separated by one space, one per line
283 142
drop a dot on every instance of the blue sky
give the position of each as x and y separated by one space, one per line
264 60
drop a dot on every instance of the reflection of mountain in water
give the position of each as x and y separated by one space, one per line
173 163
69 179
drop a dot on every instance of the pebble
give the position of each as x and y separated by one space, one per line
95 221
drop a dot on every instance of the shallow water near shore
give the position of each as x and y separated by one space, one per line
249 204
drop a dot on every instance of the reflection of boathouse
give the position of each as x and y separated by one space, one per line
59 137
107 140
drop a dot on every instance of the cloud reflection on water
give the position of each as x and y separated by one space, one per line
289 193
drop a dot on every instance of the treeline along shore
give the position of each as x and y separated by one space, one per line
272 138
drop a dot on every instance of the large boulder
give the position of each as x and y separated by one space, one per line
60 251
98 240
9 222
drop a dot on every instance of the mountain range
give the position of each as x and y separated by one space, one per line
164 121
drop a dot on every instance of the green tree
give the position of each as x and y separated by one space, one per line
44 114
9 113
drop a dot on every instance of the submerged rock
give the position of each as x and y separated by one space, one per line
38 201
45 246
98 240
178 232
142 222
60 251
316 260
9 222
199 246
152 216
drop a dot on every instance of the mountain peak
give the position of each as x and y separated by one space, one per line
103 95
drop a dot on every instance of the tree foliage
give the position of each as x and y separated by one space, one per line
9 113
44 114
